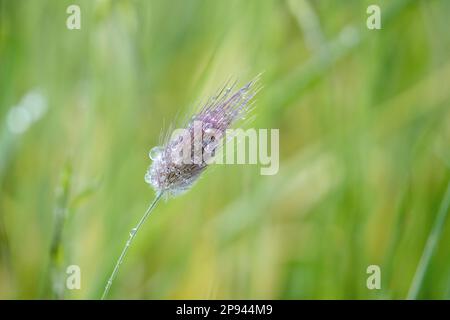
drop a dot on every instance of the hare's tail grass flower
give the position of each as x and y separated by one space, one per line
171 176
168 175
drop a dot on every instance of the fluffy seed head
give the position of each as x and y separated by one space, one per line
172 171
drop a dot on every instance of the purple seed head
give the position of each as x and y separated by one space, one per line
183 157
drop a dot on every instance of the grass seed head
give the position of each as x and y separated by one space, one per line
173 172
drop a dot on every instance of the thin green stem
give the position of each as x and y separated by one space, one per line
57 252
430 246
133 233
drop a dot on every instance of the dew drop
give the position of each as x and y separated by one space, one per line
148 177
133 232
155 152
210 148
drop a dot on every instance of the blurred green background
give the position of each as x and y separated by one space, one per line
364 149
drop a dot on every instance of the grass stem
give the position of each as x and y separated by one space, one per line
133 233
430 246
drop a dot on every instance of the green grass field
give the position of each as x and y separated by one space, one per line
364 120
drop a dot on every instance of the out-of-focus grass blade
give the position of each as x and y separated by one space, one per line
430 247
